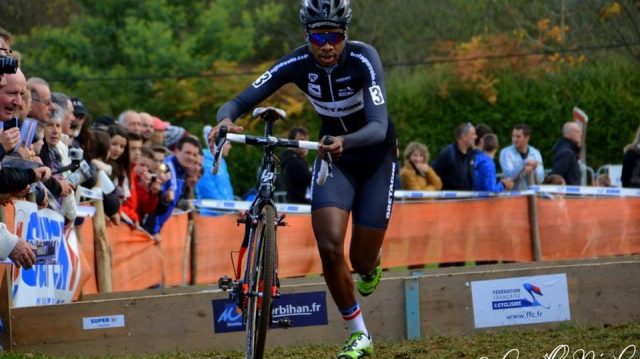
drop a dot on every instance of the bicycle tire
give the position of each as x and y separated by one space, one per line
261 277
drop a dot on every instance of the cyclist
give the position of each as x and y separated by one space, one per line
344 82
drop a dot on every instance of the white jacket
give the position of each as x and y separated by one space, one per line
8 241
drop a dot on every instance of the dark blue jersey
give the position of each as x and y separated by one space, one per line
350 98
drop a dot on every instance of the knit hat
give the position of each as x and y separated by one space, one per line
172 135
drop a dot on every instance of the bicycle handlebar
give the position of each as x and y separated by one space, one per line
223 136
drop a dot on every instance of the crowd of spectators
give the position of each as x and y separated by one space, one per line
468 163
145 167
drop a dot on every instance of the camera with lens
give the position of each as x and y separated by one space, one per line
8 65
76 154
82 173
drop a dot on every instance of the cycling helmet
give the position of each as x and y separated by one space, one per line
325 13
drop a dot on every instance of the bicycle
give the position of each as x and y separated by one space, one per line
253 293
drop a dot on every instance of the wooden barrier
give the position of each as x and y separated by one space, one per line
599 293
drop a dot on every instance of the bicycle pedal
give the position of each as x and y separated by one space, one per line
225 283
283 323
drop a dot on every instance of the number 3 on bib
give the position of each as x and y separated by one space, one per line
376 95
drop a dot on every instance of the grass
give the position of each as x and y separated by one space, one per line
604 341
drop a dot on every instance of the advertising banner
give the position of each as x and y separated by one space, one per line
302 309
45 283
524 300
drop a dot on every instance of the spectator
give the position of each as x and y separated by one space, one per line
554 180
13 179
416 174
215 185
160 153
149 181
520 159
119 159
55 154
64 101
11 101
135 148
6 39
631 164
173 134
146 128
80 116
193 177
131 121
566 152
481 130
159 128
41 105
130 205
296 173
602 181
21 253
99 158
485 170
454 164
25 108
81 132
183 159
103 123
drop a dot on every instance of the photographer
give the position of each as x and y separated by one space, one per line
15 179
149 180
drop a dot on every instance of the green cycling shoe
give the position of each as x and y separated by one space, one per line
367 284
358 345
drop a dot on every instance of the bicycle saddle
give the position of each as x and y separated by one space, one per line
264 111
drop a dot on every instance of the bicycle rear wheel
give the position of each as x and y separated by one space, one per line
261 280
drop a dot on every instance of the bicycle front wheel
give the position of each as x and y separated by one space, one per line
261 281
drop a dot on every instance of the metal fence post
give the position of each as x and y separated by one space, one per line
412 305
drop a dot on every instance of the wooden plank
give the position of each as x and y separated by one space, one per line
5 306
102 248
599 293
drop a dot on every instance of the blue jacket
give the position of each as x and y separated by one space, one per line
177 181
485 174
216 186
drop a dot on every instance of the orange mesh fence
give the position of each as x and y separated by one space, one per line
419 233
173 241
575 228
458 231
218 237
136 259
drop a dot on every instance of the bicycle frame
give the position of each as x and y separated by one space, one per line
255 287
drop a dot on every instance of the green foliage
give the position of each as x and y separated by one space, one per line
182 59
545 103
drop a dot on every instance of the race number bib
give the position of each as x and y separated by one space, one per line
262 79
376 95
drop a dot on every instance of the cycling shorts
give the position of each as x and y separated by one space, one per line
366 190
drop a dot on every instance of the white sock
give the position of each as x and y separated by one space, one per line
354 319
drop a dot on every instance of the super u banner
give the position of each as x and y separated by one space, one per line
44 283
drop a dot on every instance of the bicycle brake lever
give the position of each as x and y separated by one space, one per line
221 137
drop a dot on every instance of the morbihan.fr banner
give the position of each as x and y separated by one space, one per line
303 309
524 300
56 276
